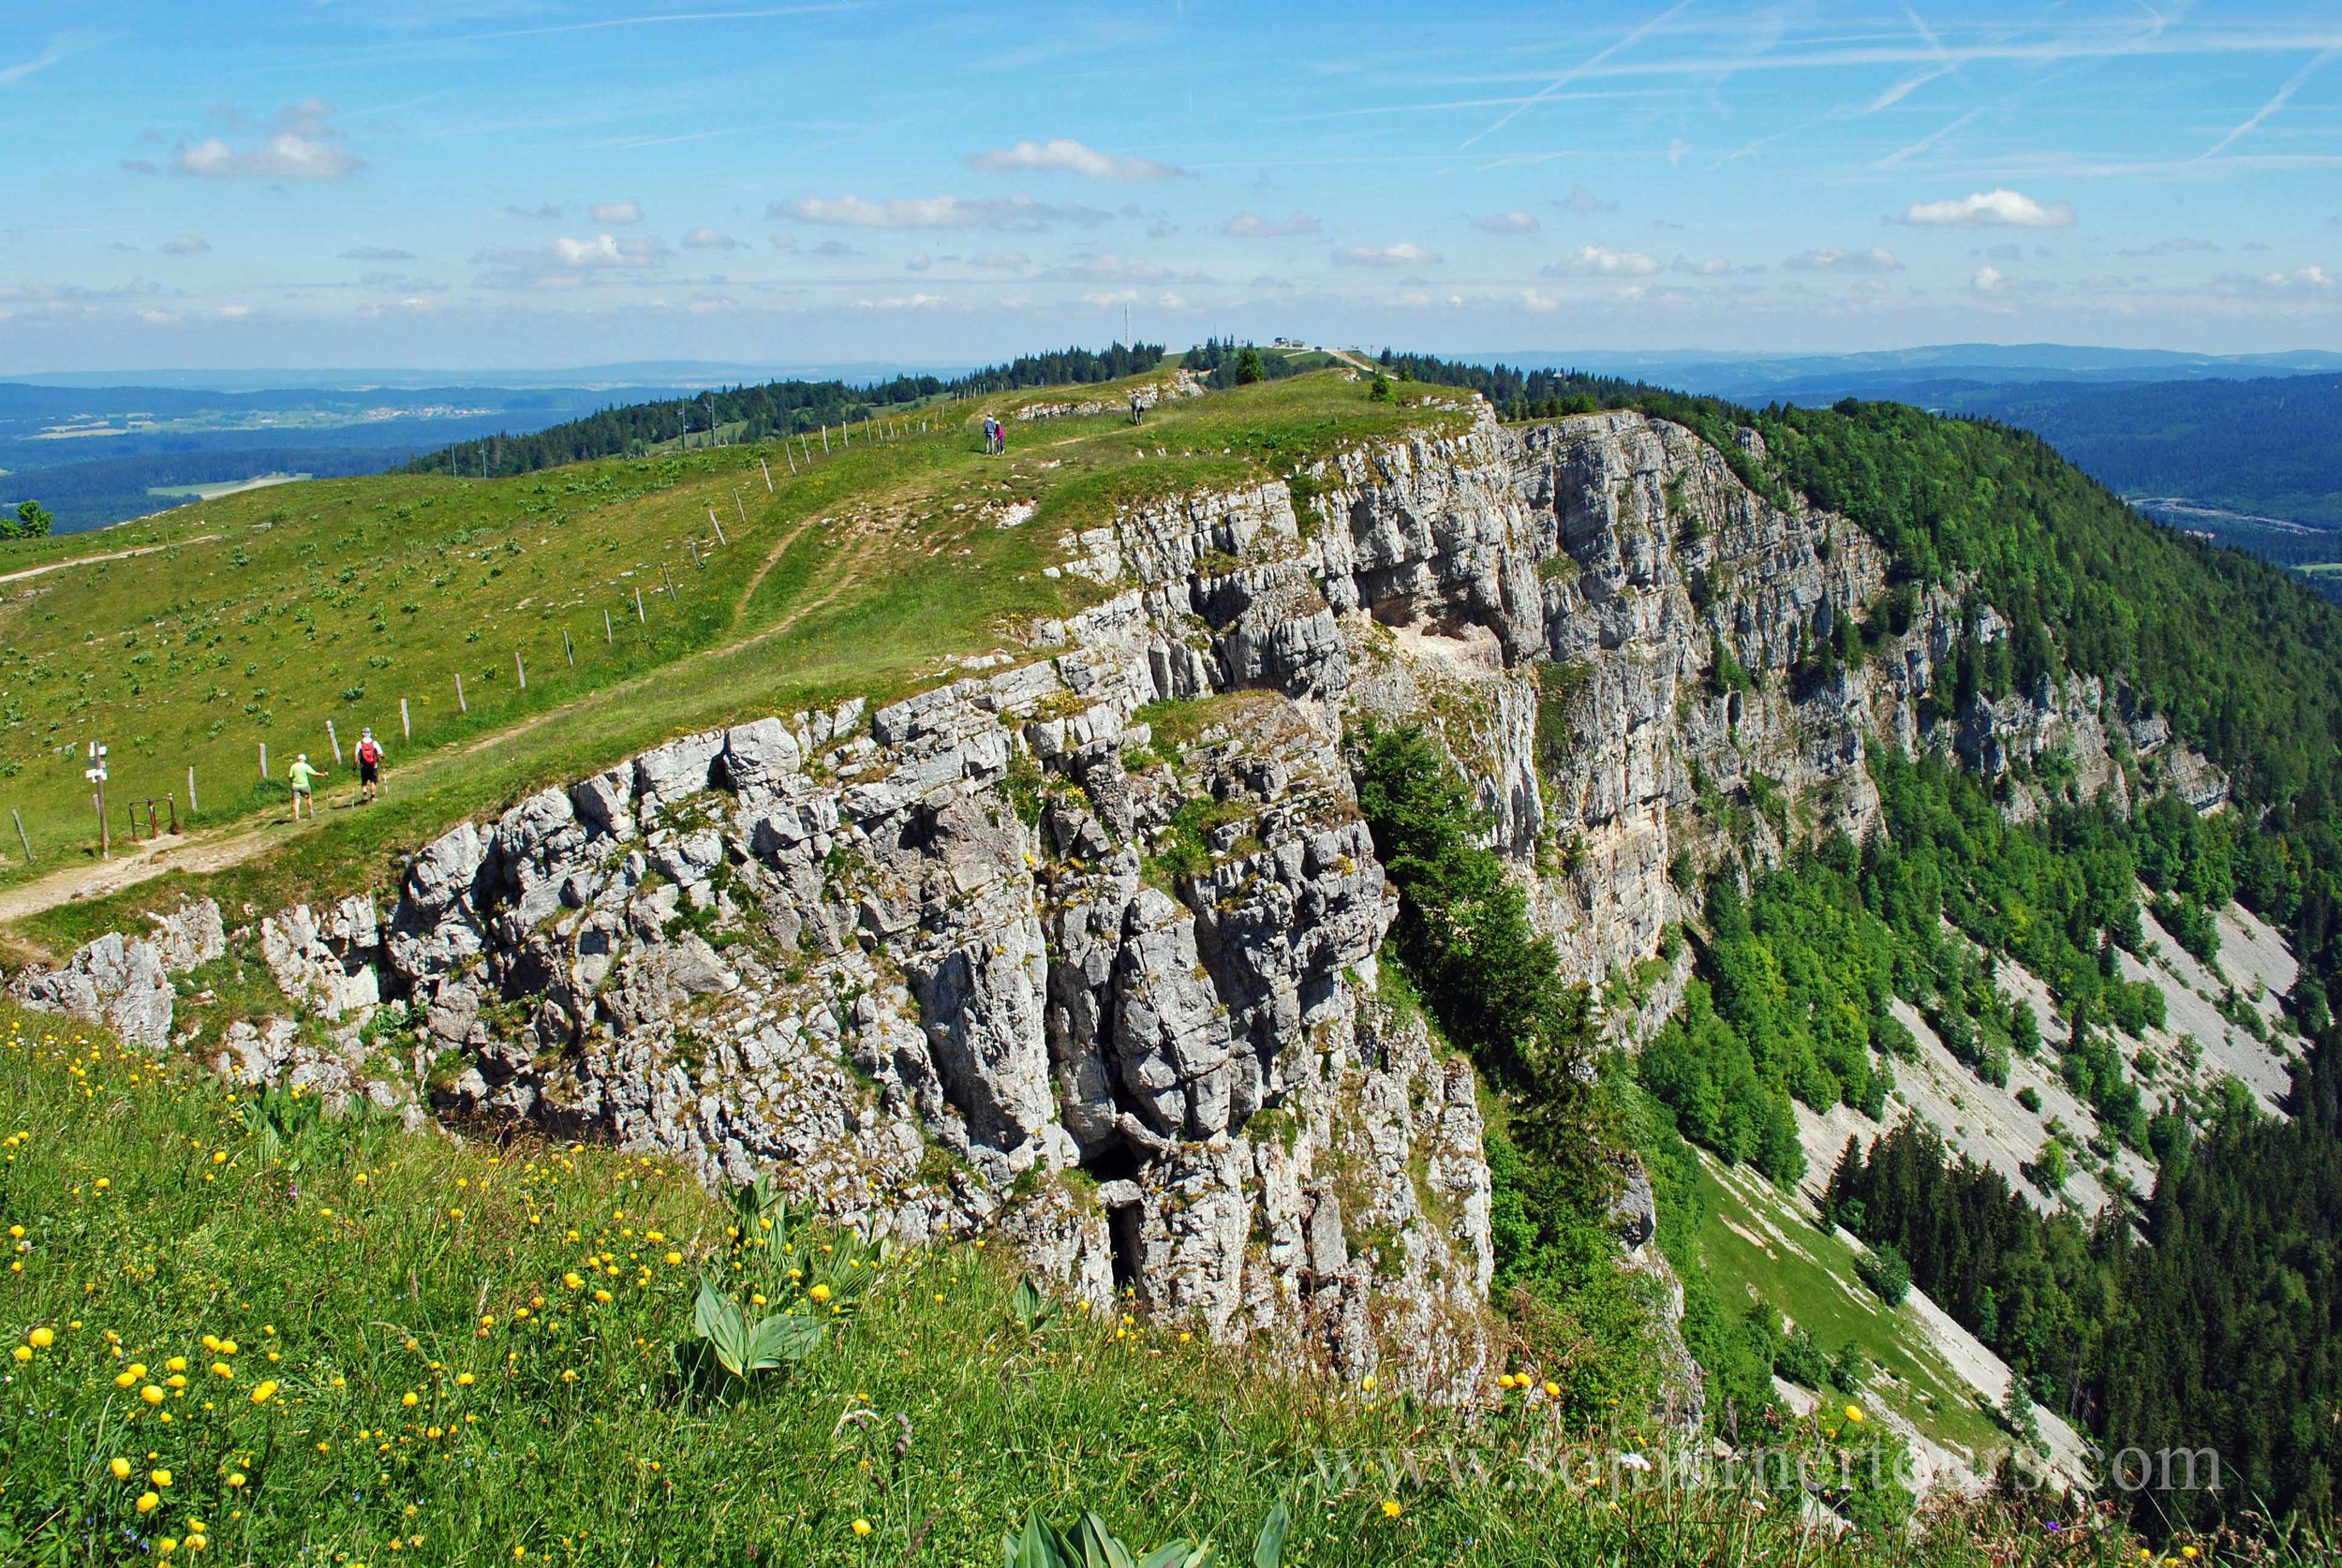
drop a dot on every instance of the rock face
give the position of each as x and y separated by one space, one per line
124 983
1086 950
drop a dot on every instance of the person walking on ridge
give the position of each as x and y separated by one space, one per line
369 766
300 776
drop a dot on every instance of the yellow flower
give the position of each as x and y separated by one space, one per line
42 1338
147 1503
571 1281
197 1542
221 1369
121 1468
1854 1413
235 1479
150 1394
159 1477
167 1546
176 1364
818 1292
23 1352
603 1296
264 1390
227 1347
408 1400
674 1258
862 1526
1390 1508
1552 1390
1504 1380
463 1380
2188 1552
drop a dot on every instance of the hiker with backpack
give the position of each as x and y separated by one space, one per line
369 766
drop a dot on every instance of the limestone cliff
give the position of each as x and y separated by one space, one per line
1086 949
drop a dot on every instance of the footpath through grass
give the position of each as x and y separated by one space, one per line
270 612
247 1331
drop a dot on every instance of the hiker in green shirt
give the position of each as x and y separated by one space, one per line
300 776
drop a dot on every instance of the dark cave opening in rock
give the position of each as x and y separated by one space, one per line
1122 1236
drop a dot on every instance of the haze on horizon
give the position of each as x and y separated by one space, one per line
508 184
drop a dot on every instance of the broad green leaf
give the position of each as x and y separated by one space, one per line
1271 1547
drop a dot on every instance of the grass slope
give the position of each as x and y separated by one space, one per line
1758 1247
267 613
316 1339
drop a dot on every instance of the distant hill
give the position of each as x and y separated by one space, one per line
759 412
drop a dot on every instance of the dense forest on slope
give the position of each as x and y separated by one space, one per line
2220 1329
759 413
2270 446
2245 661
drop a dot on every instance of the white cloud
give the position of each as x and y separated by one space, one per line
2300 277
1997 208
377 253
301 146
548 212
1585 203
570 263
1000 261
1110 267
187 244
1405 255
1245 225
834 250
919 263
1016 213
615 212
784 242
708 238
2173 247
1711 266
1602 261
1514 222
1063 156
1829 258
156 318
234 312
1986 280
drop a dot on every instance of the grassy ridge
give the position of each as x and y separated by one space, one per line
424 1369
859 577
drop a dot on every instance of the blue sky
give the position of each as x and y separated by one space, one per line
509 183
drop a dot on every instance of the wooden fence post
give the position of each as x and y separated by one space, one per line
406 725
264 759
639 618
520 669
694 547
607 635
461 707
192 807
768 472
20 836
335 741
568 652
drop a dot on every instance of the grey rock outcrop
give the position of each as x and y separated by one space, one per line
124 983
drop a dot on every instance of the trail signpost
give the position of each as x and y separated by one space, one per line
96 774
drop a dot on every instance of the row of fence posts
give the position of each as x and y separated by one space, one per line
877 430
